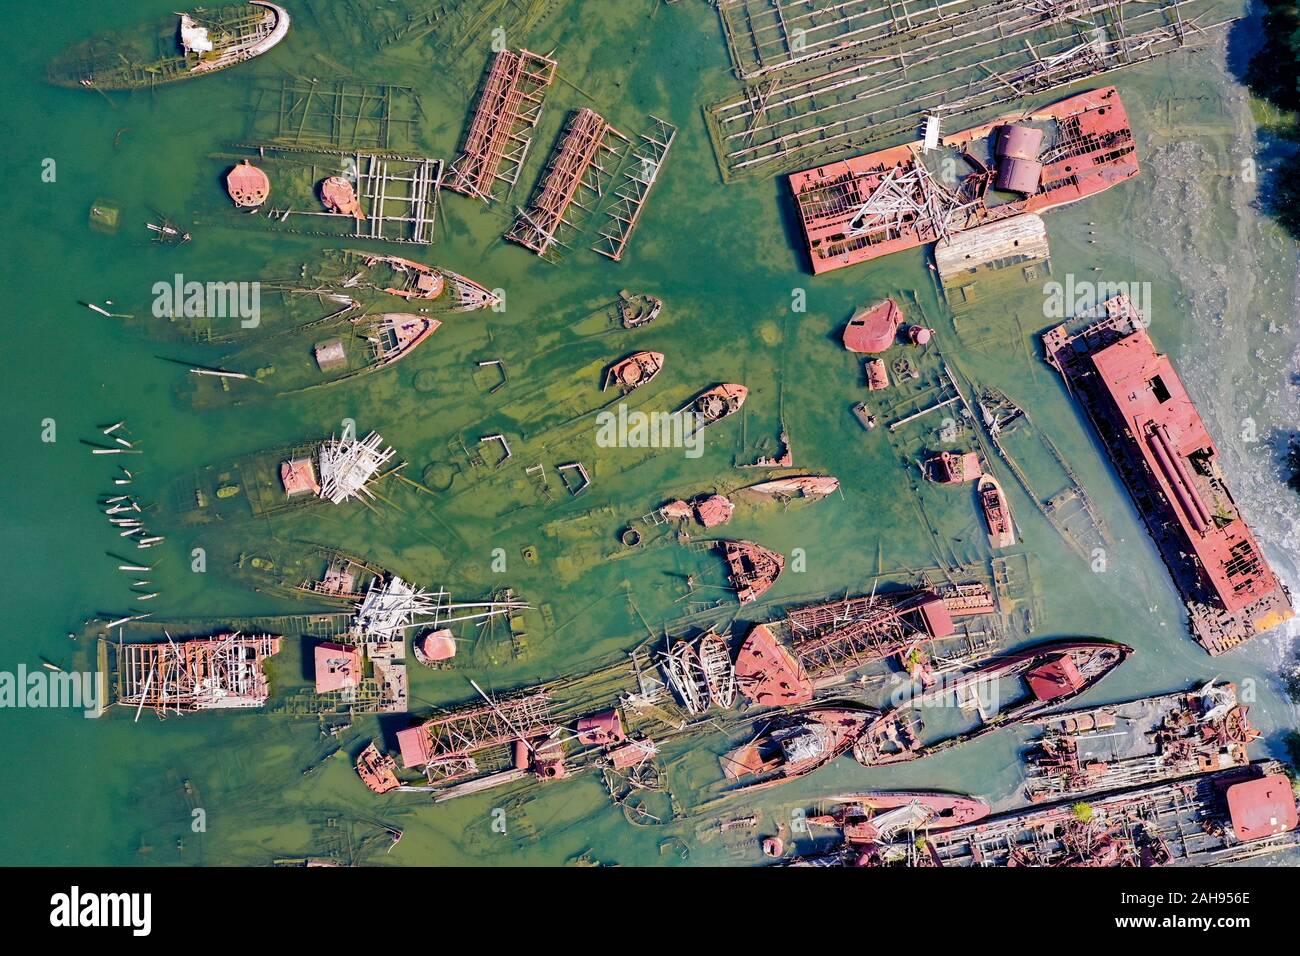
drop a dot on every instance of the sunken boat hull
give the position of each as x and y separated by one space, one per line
876 817
177 48
429 288
280 480
1051 674
311 572
636 370
315 356
716 403
997 513
795 744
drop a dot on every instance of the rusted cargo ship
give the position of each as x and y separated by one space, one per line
794 744
862 208
1169 462
867 818
1218 818
1139 742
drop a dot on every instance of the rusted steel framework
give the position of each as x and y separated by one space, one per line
638 177
826 76
500 134
572 178
463 732
196 674
1179 824
841 635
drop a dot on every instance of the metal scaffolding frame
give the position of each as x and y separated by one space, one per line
573 178
950 59
500 133
639 175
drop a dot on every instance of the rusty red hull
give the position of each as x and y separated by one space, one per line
377 771
716 403
752 568
1089 148
635 370
997 514
1169 462
796 744
859 815
874 329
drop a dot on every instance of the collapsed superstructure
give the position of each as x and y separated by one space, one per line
196 673
862 208
1138 742
348 465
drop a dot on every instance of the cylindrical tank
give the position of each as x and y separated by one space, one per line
1019 175
1019 142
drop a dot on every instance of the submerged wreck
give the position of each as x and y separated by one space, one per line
794 744
177 48
431 287
313 357
283 479
871 818
751 568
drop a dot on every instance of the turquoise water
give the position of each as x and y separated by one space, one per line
114 791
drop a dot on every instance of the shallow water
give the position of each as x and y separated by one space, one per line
114 791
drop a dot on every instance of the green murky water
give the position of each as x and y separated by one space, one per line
113 791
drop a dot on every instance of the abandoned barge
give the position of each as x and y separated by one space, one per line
869 206
1226 817
1138 742
1166 457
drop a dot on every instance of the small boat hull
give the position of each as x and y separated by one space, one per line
997 514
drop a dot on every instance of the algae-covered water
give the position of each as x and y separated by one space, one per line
739 307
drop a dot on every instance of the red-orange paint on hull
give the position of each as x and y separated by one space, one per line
1088 147
1169 462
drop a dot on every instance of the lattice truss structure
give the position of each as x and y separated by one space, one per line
638 176
574 178
500 133
450 742
830 76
